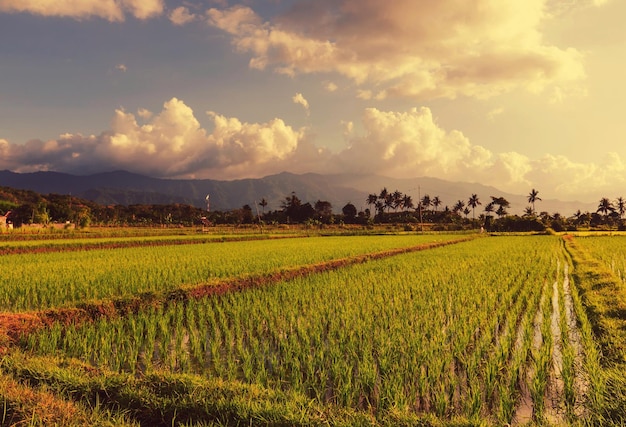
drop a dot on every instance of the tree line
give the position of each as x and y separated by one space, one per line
23 207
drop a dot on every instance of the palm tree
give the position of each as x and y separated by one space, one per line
621 206
458 206
436 202
396 198
384 197
407 202
605 206
489 208
385 200
533 197
426 202
263 203
473 202
371 200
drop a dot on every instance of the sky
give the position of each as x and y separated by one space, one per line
517 94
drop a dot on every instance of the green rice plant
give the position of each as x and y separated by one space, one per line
406 334
45 280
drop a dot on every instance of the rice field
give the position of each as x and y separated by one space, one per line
466 331
50 279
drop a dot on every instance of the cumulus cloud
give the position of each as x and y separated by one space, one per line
298 98
169 144
111 10
491 115
330 86
408 48
172 143
181 16
412 144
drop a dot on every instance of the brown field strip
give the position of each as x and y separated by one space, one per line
75 247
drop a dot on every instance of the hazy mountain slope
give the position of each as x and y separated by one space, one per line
126 188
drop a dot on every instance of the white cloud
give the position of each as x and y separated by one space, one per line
172 143
121 67
181 16
330 87
143 9
410 144
491 115
111 10
298 98
409 48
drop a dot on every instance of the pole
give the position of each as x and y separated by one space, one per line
419 203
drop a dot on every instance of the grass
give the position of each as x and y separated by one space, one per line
603 298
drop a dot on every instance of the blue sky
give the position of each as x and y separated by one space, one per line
514 94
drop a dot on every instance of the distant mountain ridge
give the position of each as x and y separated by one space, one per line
126 188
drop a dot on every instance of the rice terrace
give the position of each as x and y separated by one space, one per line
307 327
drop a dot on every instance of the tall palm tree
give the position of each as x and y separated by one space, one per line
426 202
383 196
473 202
371 200
458 206
263 203
621 206
396 197
436 202
605 206
407 202
533 197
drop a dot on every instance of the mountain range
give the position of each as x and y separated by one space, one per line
122 187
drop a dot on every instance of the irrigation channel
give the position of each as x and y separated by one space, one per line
462 331
564 376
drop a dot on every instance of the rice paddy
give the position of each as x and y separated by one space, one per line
404 329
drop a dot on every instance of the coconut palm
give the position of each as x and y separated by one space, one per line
458 206
396 200
371 200
436 202
489 208
263 203
473 202
426 202
605 206
621 206
533 197
407 202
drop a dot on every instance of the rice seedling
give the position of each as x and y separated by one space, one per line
407 334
